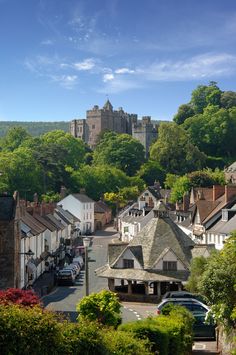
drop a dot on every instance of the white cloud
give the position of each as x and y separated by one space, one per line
47 42
202 66
108 77
67 81
124 71
87 64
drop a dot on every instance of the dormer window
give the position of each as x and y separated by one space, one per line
169 265
128 263
224 215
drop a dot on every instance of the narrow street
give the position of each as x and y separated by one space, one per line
64 298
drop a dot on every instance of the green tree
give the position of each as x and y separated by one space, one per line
198 266
121 151
228 99
20 171
206 178
14 138
103 306
180 187
74 147
218 282
174 151
150 172
184 111
205 95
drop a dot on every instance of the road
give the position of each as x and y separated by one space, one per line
64 298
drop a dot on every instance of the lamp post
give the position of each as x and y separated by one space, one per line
86 242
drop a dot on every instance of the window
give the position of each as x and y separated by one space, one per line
128 264
169 265
126 229
93 126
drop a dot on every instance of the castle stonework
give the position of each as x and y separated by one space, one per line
9 242
106 119
145 132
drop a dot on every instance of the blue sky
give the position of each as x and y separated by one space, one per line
61 57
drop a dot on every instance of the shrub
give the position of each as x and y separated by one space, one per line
28 331
103 307
120 343
26 298
169 334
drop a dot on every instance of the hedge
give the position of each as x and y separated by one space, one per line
39 332
169 334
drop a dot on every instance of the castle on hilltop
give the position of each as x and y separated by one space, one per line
101 119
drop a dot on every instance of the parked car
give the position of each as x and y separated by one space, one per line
191 304
65 277
78 260
74 268
183 294
203 327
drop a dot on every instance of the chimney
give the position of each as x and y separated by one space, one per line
217 191
230 192
35 198
186 202
63 192
82 191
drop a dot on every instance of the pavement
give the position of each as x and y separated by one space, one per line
205 347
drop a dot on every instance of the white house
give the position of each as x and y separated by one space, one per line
82 207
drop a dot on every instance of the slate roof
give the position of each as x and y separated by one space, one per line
224 227
160 234
46 222
66 215
142 275
55 221
231 168
35 226
101 207
202 250
7 208
82 198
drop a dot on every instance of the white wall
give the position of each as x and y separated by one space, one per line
169 256
127 255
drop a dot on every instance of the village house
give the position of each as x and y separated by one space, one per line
209 206
9 241
82 207
157 259
102 214
134 217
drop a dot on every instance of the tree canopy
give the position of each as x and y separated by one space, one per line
174 151
121 151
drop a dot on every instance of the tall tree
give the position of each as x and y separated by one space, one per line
184 111
174 151
121 151
14 138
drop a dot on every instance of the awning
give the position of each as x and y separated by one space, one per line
31 268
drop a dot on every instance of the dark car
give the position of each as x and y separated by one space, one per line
65 277
203 327
182 294
191 304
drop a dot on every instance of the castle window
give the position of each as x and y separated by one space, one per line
126 229
169 265
93 126
128 264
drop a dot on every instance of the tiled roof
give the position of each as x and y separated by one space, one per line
82 198
205 208
224 227
101 207
231 168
